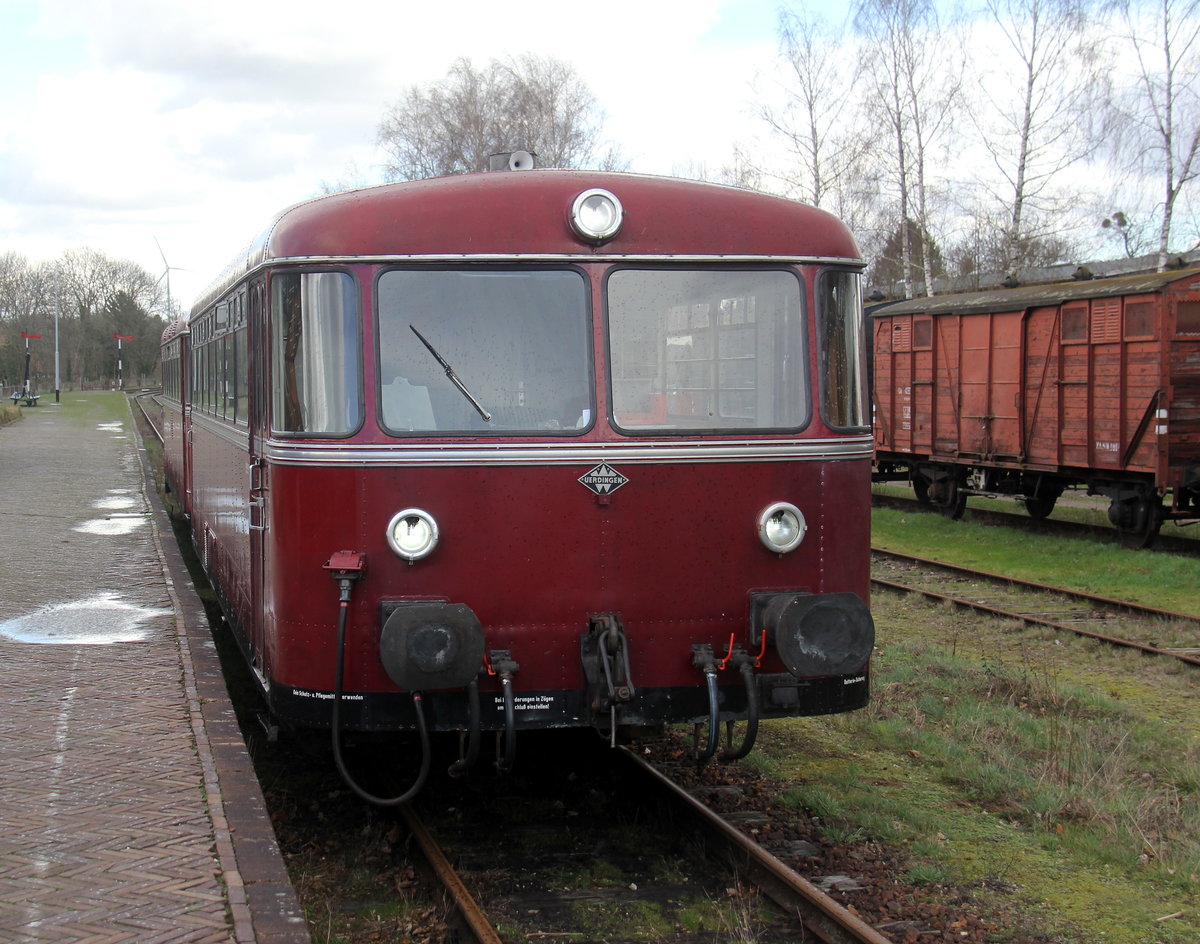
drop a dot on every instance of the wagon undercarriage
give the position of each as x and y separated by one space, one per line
1137 508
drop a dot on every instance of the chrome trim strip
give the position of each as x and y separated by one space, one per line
282 452
567 257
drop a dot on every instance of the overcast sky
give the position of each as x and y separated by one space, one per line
127 121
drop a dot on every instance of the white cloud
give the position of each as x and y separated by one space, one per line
122 121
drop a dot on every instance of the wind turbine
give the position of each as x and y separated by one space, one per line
167 267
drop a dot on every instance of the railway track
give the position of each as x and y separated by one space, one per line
139 401
820 914
814 914
313 813
1116 622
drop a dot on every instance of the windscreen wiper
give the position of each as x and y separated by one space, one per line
487 417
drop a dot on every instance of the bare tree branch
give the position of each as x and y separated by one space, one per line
1158 114
1033 127
525 103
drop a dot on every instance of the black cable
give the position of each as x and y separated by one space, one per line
714 723
505 762
344 605
752 713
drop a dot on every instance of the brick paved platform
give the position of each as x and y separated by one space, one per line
129 810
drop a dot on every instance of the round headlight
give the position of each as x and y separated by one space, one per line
781 527
596 215
412 533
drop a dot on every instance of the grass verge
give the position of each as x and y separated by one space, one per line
1056 774
1168 581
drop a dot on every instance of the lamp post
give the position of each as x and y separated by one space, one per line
57 306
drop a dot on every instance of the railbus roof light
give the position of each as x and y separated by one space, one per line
596 215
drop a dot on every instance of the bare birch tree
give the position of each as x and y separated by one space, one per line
1157 123
1033 121
526 103
818 95
913 80
815 113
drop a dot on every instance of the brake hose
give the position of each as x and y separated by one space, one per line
345 584
746 665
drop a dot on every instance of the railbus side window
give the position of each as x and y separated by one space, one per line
842 340
214 375
706 349
199 375
316 377
241 383
224 376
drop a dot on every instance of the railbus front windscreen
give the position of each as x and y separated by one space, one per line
707 349
517 342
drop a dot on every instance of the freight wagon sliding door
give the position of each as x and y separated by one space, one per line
903 392
1109 387
1042 406
892 384
1075 373
946 394
1146 388
991 385
1109 369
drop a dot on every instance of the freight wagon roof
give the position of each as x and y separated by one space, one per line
1036 296
527 212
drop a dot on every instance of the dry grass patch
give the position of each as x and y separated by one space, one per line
997 754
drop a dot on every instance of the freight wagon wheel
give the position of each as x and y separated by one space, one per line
920 486
1137 521
949 498
1039 506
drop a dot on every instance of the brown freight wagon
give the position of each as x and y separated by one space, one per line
1029 391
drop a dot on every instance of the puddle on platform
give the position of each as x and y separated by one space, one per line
111 427
97 621
115 503
121 521
113 525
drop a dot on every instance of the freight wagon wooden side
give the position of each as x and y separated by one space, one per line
1029 391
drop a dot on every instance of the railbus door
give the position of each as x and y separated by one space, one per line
187 396
258 469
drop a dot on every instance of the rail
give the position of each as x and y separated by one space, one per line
472 916
138 400
820 913
1100 603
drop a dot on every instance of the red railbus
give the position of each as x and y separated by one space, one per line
537 449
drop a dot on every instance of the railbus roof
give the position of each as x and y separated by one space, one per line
510 214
